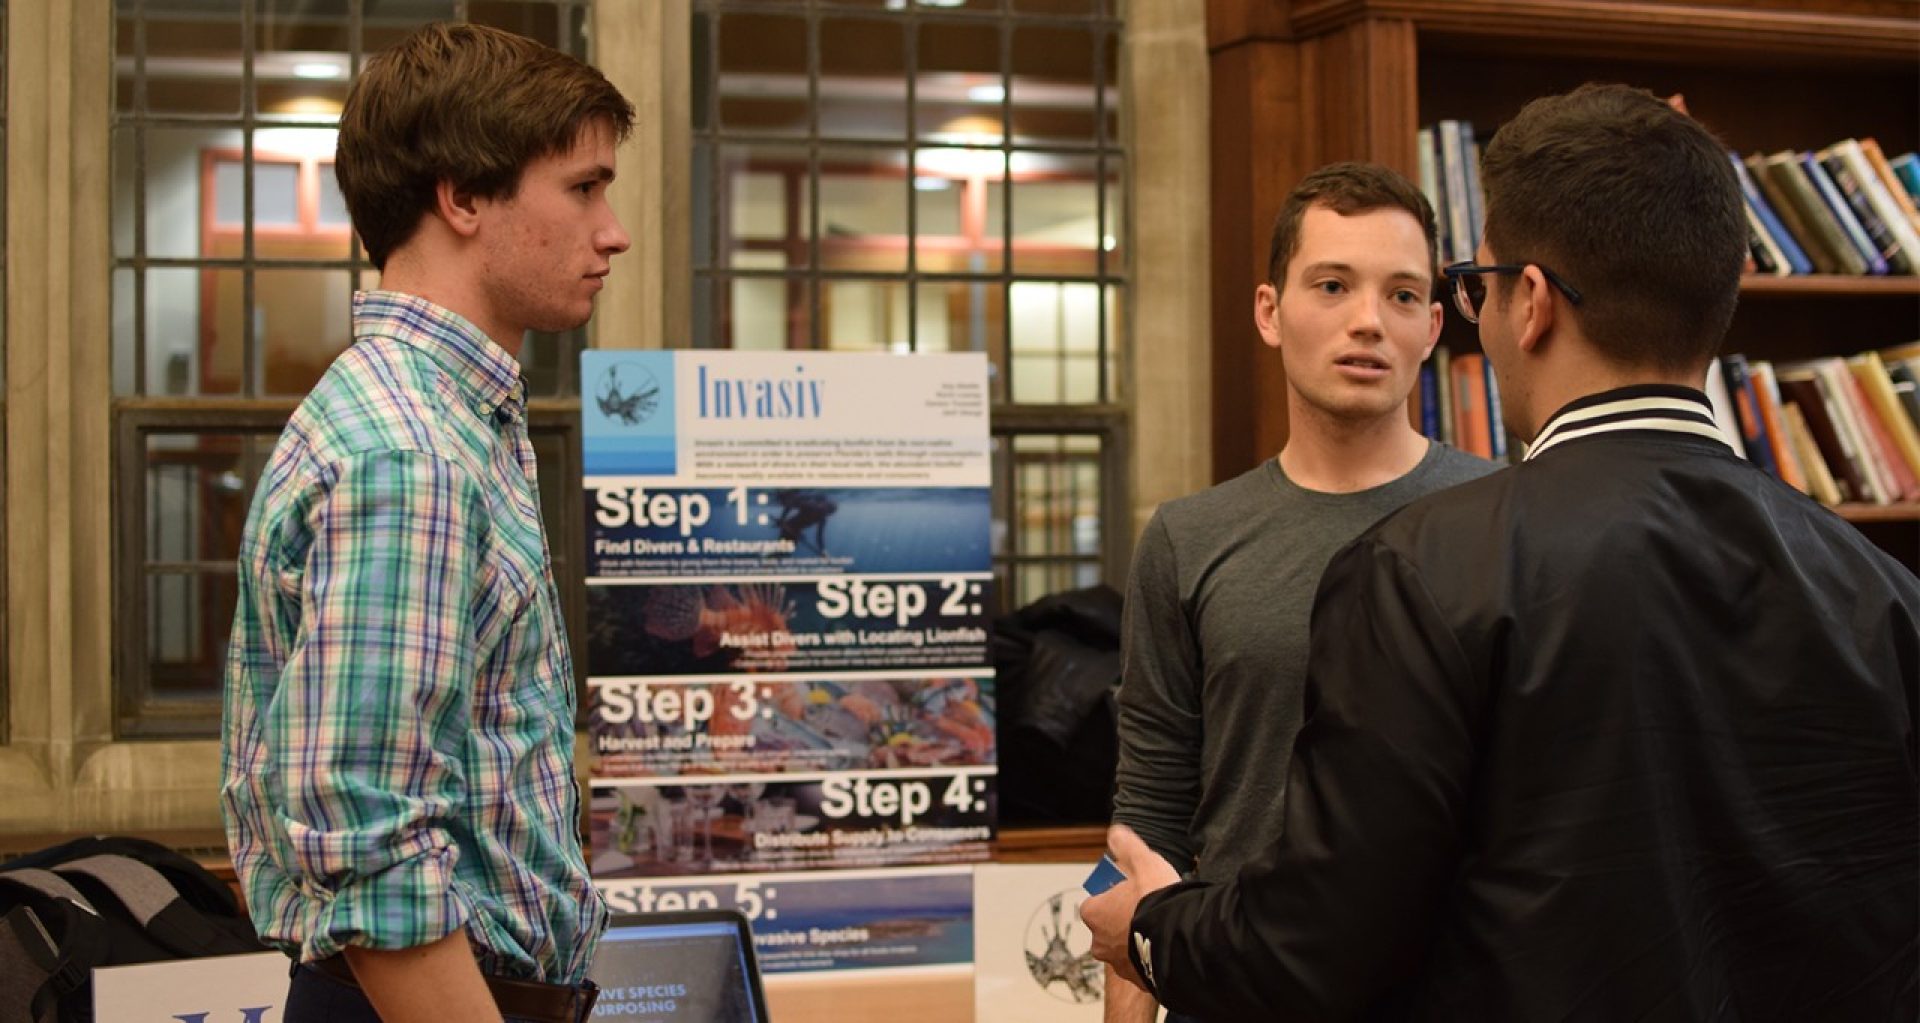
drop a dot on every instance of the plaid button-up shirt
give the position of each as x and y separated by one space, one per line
398 751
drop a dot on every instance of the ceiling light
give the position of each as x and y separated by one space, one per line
318 69
987 93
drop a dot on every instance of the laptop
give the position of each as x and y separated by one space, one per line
696 966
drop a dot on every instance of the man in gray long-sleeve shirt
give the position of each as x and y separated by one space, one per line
1215 636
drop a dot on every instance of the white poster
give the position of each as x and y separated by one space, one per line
1032 957
221 989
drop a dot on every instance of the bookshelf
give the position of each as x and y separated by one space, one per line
1355 79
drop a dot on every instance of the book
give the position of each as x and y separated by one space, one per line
1878 388
1800 385
1762 250
1843 213
1746 413
1453 176
1836 385
1429 402
1785 455
1443 375
1470 405
1906 167
1906 388
1430 183
1811 243
1853 193
1820 482
1870 149
1787 174
1496 417
1892 215
1793 258
1899 479
1723 414
1476 198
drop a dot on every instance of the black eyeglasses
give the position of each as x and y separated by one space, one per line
1469 291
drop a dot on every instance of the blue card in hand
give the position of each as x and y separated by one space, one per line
1105 875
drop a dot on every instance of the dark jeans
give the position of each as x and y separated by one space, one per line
314 997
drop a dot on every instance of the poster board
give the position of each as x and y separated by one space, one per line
791 709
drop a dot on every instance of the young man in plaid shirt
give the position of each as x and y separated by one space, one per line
399 789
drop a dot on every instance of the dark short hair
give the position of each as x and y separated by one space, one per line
1346 189
461 103
1636 205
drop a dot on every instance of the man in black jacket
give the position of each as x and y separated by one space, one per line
1627 732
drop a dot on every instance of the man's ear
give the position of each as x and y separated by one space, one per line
1433 331
1536 291
458 207
1266 314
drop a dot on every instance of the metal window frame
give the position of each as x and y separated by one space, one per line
140 712
711 275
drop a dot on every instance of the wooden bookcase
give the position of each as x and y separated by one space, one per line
1297 84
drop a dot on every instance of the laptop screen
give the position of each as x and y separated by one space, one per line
692 967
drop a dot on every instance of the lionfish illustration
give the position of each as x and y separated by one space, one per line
632 408
1080 973
703 616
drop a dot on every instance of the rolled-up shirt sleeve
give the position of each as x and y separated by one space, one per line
1339 910
1157 778
374 702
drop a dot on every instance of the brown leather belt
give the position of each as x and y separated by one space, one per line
528 999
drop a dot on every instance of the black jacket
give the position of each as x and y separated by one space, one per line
1626 732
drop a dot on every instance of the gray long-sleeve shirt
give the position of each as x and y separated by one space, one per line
1214 649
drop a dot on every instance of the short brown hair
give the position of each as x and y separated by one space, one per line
1346 189
1636 205
461 103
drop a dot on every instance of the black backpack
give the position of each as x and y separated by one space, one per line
104 902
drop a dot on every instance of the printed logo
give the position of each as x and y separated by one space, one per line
628 393
1060 950
1144 949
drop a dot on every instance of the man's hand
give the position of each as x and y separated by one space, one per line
1110 915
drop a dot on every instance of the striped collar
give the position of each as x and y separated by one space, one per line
485 373
1662 407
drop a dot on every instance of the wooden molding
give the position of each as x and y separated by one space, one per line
1636 27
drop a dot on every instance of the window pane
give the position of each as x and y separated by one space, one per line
333 205
1056 343
763 74
549 362
863 210
191 62
959 231
862 63
959 91
1058 7
1053 76
767 207
188 618
302 320
961 316
761 311
185 355
1056 227
863 316
198 486
276 197
177 164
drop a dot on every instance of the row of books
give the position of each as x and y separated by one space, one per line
1459 403
1450 176
1844 209
1840 429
